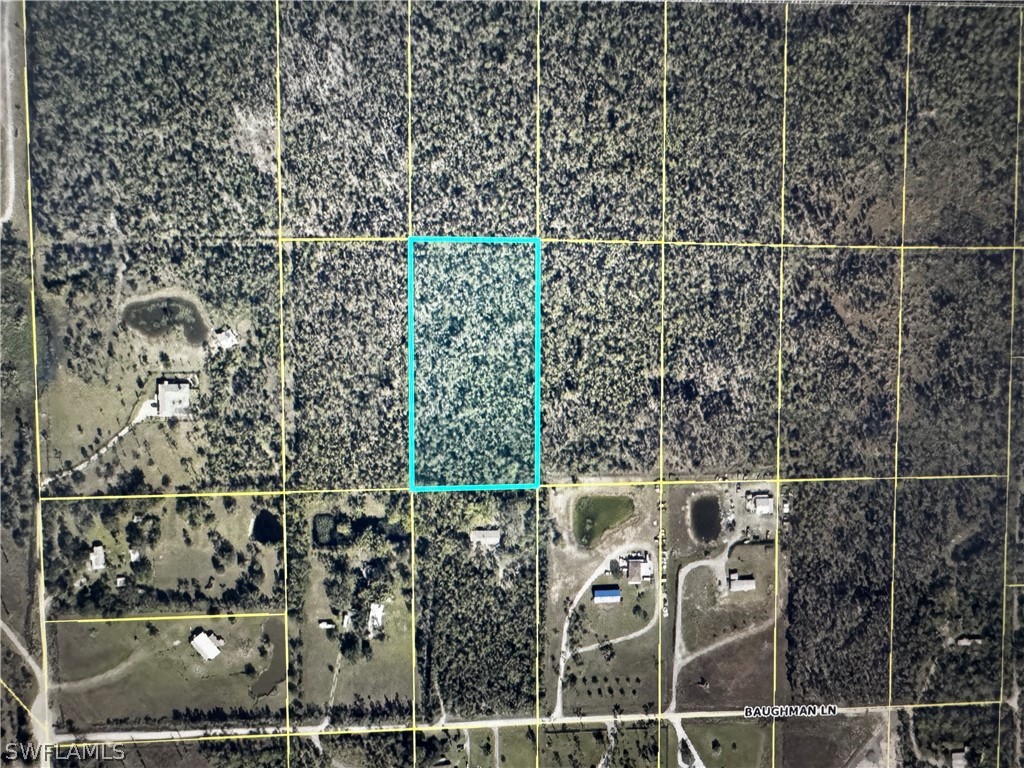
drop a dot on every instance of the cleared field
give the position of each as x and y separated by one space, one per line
140 672
612 745
731 744
594 515
189 555
835 742
711 612
734 675
623 678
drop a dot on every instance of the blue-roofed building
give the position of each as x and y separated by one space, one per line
606 593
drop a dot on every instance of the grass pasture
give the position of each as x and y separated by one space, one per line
832 743
593 515
734 675
634 745
194 556
731 744
148 672
711 613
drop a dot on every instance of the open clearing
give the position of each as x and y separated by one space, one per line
109 673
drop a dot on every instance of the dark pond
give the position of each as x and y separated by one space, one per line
266 528
274 674
157 317
706 517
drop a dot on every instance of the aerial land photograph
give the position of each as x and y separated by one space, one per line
511 384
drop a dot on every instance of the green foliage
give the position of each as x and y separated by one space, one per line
838 546
343 118
474 308
473 117
723 173
593 515
601 120
472 607
962 126
721 370
844 123
948 588
955 363
152 120
839 363
600 305
345 320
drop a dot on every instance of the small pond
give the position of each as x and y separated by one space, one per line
706 517
162 315
266 528
274 674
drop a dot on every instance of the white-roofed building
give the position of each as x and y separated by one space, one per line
173 397
489 537
376 621
207 644
98 558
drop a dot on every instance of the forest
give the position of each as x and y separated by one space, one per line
948 609
475 606
345 335
600 305
475 363
837 547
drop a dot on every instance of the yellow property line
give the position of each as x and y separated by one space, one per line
22 704
899 369
673 243
408 119
537 212
412 595
661 364
169 617
778 388
344 239
537 495
41 587
1009 398
475 725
